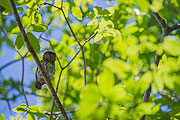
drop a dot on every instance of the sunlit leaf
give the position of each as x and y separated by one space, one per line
25 20
30 116
90 15
106 81
171 47
34 41
98 37
90 96
65 9
1 117
143 5
38 28
118 94
58 4
97 11
15 30
9 11
76 12
37 18
93 22
144 108
20 108
36 111
108 11
19 42
156 5
121 68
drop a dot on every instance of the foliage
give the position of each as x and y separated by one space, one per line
119 59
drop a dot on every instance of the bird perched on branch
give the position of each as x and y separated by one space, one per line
48 64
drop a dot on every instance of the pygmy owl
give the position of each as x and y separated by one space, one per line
48 64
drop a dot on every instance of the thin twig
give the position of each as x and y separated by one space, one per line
60 72
16 96
57 86
22 81
72 59
47 25
88 39
22 57
84 61
31 50
9 106
62 68
56 113
77 40
11 62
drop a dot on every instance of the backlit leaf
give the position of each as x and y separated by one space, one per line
34 41
76 12
171 47
38 27
19 42
20 108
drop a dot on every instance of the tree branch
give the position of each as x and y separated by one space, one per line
84 61
31 50
11 62
22 81
56 92
62 68
166 30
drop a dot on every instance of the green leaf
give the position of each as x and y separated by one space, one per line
30 116
106 81
19 42
20 108
25 20
9 11
98 37
90 96
58 4
175 111
171 47
119 67
143 5
145 108
66 10
37 18
106 23
108 11
34 41
156 5
15 30
93 22
38 27
97 11
9 43
1 117
118 94
36 111
130 29
90 15
6 4
76 12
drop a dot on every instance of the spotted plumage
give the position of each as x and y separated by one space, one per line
48 64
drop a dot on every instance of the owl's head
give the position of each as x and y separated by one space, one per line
49 56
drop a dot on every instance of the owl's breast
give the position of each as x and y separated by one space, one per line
49 69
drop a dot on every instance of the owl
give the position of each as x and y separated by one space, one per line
48 64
